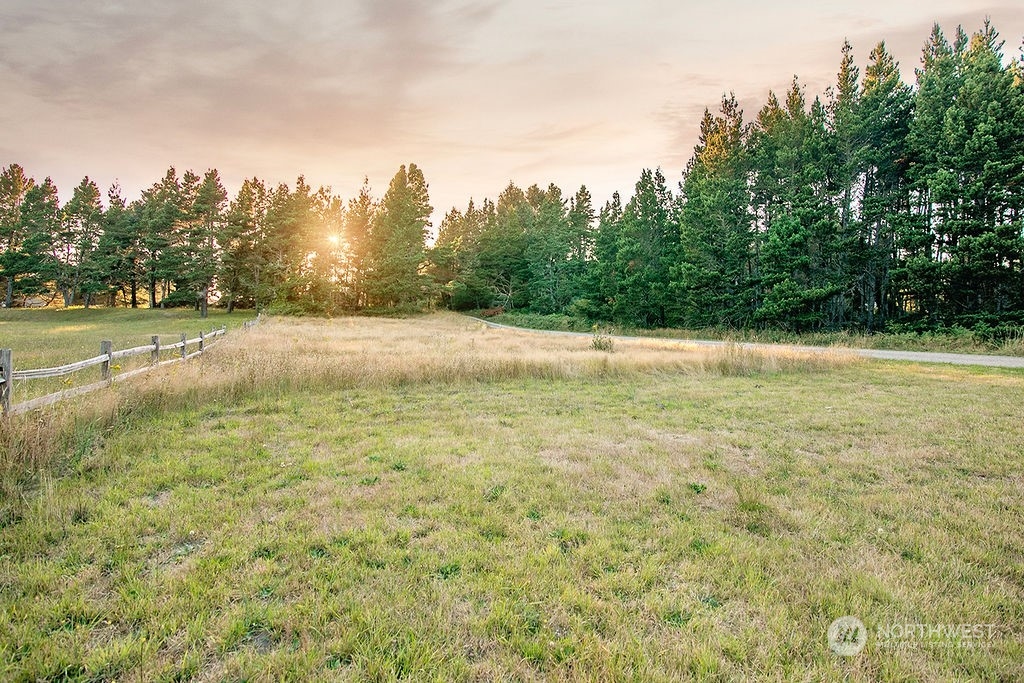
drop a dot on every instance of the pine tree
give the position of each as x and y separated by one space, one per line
886 106
582 248
360 215
242 259
648 238
280 284
179 262
604 272
714 281
295 225
40 219
159 212
549 241
398 242
981 183
922 245
798 226
455 258
328 258
117 250
14 185
501 258
202 237
844 117
74 245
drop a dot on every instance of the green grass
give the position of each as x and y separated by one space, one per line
46 337
642 525
952 341
50 337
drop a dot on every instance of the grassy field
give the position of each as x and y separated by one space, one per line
960 341
47 337
50 337
427 499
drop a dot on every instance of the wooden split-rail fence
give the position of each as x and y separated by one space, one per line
105 360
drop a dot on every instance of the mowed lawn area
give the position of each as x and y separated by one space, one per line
426 499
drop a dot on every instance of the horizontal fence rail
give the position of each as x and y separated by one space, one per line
60 371
8 375
134 351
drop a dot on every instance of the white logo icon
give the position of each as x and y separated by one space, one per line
847 636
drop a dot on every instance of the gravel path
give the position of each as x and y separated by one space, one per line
881 354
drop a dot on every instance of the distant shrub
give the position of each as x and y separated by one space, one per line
601 341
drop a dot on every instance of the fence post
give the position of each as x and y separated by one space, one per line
200 341
184 338
106 349
6 381
154 355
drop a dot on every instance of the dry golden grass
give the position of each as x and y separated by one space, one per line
283 354
433 500
449 348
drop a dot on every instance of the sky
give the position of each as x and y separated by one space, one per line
476 93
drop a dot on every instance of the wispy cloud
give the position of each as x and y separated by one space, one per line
475 92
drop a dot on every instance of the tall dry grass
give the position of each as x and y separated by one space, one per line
287 354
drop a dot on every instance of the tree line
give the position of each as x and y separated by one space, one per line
877 205
294 249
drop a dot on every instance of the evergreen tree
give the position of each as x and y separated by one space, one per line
445 267
502 261
203 248
844 117
887 206
114 264
886 106
242 259
159 212
605 274
398 242
294 237
327 258
918 275
41 219
360 215
549 241
715 277
977 188
798 272
178 262
648 238
453 260
74 245
582 251
456 257
14 185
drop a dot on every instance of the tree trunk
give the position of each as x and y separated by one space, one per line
204 302
9 299
152 291
135 292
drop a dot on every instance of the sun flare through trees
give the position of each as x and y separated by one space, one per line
877 205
